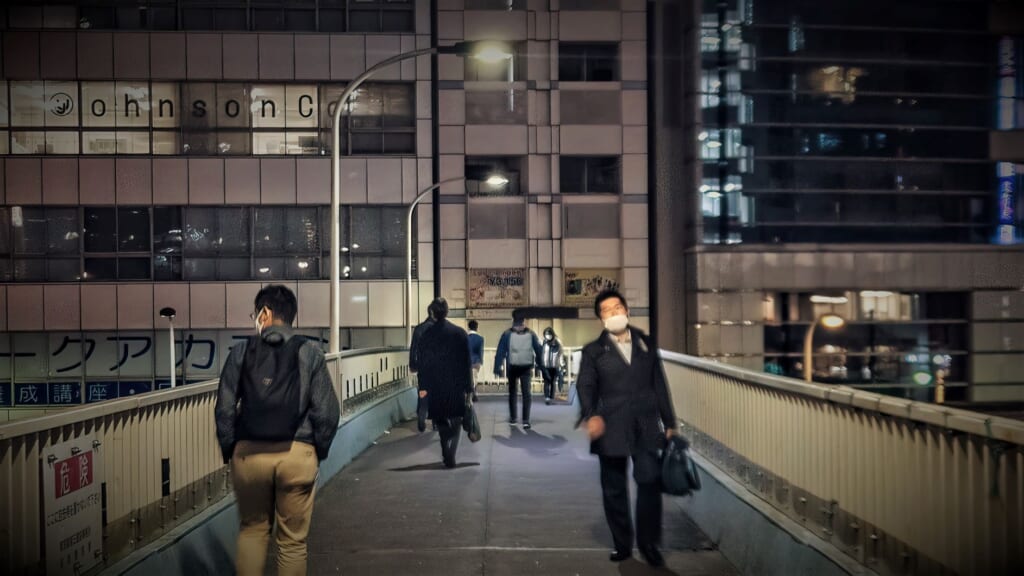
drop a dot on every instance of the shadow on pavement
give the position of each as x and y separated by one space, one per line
432 466
634 567
534 443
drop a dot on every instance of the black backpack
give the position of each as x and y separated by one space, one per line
271 391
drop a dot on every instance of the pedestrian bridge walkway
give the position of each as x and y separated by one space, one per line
518 502
798 479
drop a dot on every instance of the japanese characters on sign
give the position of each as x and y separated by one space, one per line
72 507
497 288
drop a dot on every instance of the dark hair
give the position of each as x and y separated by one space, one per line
438 309
279 300
550 330
473 325
518 316
608 295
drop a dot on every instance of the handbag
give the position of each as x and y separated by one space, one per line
679 475
471 424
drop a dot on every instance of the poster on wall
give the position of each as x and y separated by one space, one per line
72 506
581 286
497 288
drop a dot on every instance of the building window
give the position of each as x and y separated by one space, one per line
287 243
591 221
506 5
496 220
496 106
373 242
579 62
116 244
494 175
43 244
381 16
581 5
590 174
201 118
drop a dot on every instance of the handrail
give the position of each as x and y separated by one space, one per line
903 487
958 419
155 454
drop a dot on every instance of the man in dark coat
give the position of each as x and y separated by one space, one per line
444 374
414 366
625 402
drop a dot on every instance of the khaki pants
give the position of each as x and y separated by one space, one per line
274 483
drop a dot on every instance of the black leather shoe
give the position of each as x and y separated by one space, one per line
619 556
652 556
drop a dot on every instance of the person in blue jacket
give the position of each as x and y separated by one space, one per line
519 353
476 353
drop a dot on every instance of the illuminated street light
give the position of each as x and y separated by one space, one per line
830 321
484 51
496 181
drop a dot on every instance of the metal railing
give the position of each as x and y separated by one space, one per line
903 487
160 460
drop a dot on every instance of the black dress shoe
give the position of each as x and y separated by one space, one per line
619 556
652 556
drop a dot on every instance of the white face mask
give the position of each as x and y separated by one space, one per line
548 337
259 326
617 324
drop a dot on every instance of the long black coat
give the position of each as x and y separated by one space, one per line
444 369
632 398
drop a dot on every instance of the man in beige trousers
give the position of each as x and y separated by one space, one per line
277 415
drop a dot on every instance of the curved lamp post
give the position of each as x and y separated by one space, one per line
829 321
485 51
495 181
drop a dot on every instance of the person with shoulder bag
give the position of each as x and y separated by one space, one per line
276 416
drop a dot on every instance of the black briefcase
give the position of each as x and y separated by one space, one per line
679 475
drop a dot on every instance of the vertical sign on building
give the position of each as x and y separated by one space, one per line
72 507
1008 83
1006 204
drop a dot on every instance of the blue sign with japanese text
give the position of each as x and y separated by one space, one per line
33 394
6 398
65 393
100 391
125 389
1007 230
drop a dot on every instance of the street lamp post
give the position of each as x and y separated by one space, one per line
486 51
169 313
830 321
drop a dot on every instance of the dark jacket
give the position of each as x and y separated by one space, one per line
444 370
476 349
632 398
321 421
417 333
502 355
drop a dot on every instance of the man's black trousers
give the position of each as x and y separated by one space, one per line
520 375
615 489
450 431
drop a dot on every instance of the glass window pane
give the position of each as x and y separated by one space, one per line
61 103
99 142
269 268
591 220
496 220
269 143
230 19
166 142
5 113
233 269
27 104
163 18
302 143
6 270
133 142
498 107
29 270
589 106
399 143
167 231
131 101
332 20
100 269
62 230
300 20
269 230
268 19
5 230
61 142
100 230
364 21
133 269
197 18
303 268
366 107
267 106
232 105
63 270
166 267
603 175
133 229
301 106
302 233
28 225
98 104
200 268
200 143
28 142
202 98
397 21
166 107
233 143
572 174
367 143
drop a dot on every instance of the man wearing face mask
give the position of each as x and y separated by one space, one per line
625 402
276 417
